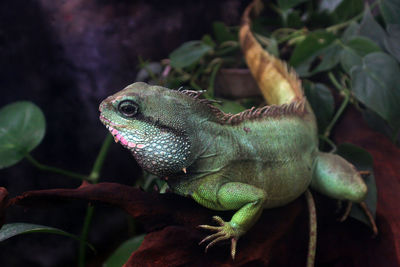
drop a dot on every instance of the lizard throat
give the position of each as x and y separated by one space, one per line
157 151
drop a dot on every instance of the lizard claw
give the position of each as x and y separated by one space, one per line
223 232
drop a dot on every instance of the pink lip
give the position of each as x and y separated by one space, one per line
117 136
104 120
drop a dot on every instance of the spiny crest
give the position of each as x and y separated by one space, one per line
296 108
292 109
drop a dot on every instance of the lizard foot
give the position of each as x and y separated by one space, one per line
223 232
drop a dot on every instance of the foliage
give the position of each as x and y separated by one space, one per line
22 127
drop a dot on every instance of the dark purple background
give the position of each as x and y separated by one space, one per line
66 56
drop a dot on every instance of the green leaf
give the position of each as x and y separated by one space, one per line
288 4
13 229
348 9
375 82
22 127
363 161
222 33
354 50
124 251
207 39
188 53
392 40
371 29
294 20
390 10
273 47
350 31
318 52
321 101
314 42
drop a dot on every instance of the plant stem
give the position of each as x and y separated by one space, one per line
54 169
93 177
98 164
84 234
342 106
330 142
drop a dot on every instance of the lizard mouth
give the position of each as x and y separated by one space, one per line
118 137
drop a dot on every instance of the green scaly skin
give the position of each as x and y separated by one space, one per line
258 159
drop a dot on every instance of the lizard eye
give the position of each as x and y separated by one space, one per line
128 108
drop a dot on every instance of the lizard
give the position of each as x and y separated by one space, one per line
257 159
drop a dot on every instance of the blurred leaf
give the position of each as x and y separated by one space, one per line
22 127
13 229
324 56
377 123
376 84
390 10
272 47
371 29
348 9
354 50
321 101
222 33
288 4
363 161
148 70
329 5
392 40
208 40
314 42
124 251
229 106
188 53
350 31
294 20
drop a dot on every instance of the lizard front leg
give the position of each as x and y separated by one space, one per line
247 199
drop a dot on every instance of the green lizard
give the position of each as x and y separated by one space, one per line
260 158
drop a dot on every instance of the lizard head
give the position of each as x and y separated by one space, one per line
151 121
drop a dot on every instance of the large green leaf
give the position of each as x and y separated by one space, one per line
371 29
13 229
354 50
321 101
390 10
351 31
188 53
375 82
392 40
348 9
363 161
124 251
22 127
318 52
310 46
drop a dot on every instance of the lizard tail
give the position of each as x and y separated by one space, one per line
278 83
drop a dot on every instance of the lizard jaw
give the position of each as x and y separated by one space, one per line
118 137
